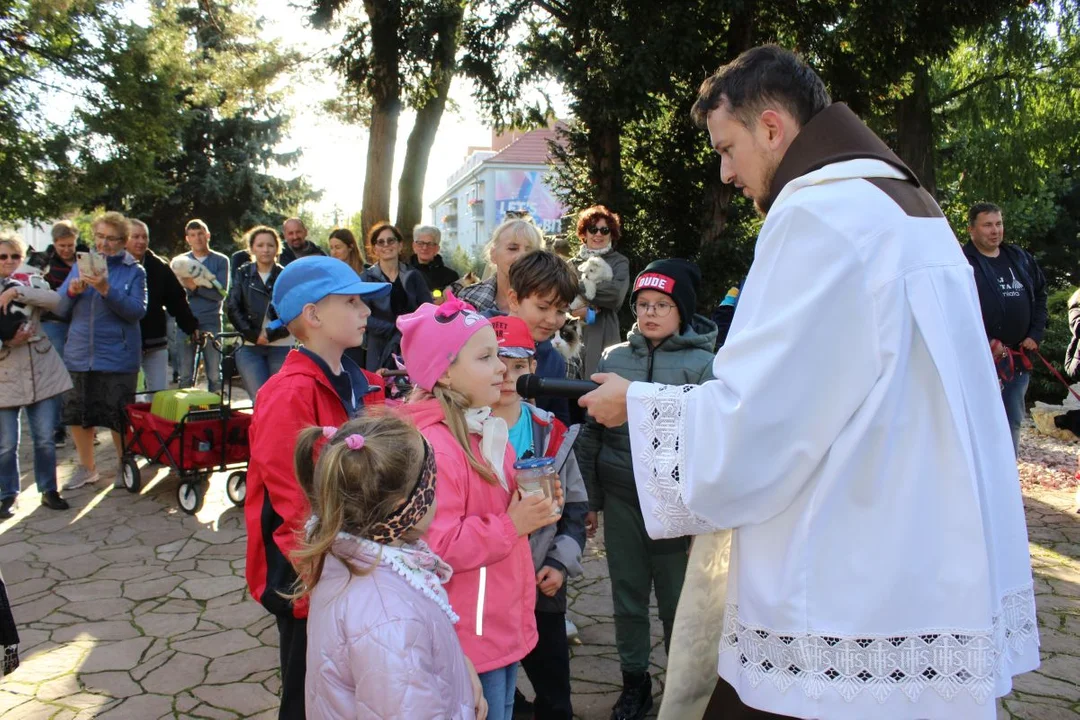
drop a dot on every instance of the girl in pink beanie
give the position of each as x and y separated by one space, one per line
481 526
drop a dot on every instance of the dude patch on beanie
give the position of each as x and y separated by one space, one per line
655 281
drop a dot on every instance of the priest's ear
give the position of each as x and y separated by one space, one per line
776 129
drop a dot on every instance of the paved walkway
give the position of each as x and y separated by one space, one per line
130 609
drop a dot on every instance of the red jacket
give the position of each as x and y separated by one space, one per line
298 396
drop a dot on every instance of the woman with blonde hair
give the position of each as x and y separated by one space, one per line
104 344
511 239
32 376
380 621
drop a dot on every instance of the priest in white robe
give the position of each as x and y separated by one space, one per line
853 438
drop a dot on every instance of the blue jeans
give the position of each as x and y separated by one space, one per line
42 415
499 686
1013 393
257 363
57 334
155 373
211 360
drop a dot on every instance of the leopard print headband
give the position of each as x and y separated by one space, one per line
416 504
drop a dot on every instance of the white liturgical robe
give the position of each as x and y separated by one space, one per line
855 439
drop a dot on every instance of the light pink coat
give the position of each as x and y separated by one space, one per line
379 648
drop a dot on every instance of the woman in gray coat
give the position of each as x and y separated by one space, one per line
32 376
599 230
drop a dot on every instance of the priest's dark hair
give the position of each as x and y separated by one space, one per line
978 209
760 77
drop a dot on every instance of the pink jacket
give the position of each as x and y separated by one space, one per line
494 585
378 648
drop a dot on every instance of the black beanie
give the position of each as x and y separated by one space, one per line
675 277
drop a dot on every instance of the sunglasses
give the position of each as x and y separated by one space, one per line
383 242
10 256
517 215
592 229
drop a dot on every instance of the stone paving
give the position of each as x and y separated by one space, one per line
130 609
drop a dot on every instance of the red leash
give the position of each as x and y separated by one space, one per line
1054 371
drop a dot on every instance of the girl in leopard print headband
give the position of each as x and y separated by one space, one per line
372 583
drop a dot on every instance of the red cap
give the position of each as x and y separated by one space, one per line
515 340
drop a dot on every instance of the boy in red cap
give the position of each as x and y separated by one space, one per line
556 549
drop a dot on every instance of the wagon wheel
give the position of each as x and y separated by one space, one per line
132 475
190 495
236 487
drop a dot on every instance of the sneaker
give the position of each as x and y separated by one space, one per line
571 629
119 481
60 438
636 699
82 477
97 440
5 508
51 499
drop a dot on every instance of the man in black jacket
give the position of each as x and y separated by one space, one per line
163 293
429 262
1012 294
296 243
55 264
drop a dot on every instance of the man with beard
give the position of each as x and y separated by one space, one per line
853 437
164 294
296 243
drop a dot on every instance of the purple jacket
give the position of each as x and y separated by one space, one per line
379 648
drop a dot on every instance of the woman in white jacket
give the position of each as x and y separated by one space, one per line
32 376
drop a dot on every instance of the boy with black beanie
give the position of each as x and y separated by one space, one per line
668 344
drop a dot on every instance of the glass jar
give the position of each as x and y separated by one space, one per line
537 476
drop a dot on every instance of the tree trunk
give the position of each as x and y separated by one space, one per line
915 130
740 37
605 163
410 207
384 88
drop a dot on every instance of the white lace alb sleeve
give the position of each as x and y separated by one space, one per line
656 417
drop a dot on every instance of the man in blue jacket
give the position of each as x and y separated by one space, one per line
205 304
1012 296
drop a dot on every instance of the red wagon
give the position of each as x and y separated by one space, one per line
201 443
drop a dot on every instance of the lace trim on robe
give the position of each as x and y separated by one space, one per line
949 661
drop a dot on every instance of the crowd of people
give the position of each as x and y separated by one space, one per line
411 572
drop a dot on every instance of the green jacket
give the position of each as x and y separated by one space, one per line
604 453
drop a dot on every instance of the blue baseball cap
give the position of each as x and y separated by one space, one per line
310 279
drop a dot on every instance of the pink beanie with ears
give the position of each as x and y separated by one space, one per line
433 336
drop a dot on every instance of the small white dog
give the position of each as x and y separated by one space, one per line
185 266
592 272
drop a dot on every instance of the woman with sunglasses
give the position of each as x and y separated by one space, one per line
408 291
32 376
598 229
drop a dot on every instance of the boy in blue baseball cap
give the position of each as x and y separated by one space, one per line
321 301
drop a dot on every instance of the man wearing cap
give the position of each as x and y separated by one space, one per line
853 436
321 301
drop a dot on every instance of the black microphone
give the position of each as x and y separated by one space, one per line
529 386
